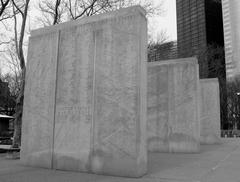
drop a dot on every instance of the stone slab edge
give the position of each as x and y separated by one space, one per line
209 80
95 18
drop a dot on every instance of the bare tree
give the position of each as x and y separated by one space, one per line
7 101
161 38
13 83
54 12
14 76
233 104
3 6
6 10
22 7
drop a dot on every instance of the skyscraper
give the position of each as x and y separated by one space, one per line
191 30
199 23
231 21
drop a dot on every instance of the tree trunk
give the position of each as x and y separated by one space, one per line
18 115
19 102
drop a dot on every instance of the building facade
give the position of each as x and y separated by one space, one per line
231 21
199 24
190 27
164 51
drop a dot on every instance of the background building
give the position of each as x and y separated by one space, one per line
231 21
163 51
199 24
191 30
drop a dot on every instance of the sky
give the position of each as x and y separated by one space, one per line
165 22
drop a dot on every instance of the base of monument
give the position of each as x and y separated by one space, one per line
210 139
97 164
119 167
175 143
158 145
181 143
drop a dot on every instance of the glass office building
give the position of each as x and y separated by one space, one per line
199 23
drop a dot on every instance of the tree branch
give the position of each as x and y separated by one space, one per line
70 8
85 10
15 31
3 7
16 6
22 60
6 42
56 16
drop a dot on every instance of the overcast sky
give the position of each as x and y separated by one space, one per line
165 22
169 21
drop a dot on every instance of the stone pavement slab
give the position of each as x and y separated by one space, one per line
214 163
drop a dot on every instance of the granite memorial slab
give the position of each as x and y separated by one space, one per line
172 106
210 132
39 101
90 113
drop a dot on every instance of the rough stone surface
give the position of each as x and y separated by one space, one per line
39 101
95 100
210 111
172 106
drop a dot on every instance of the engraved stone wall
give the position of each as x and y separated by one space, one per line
172 106
98 116
39 100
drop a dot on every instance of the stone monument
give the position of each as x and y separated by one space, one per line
85 96
172 106
210 111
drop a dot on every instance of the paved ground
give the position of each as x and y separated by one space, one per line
215 163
